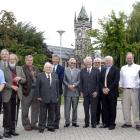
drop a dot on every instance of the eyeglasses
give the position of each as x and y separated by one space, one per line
73 63
97 62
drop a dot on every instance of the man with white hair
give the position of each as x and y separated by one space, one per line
89 84
47 90
71 92
109 84
129 83
97 64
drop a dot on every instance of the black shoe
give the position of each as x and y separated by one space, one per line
103 126
1 137
126 125
41 130
14 133
66 125
51 129
7 135
35 127
94 126
75 125
97 123
86 126
111 127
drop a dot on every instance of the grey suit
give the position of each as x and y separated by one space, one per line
10 96
49 95
7 92
71 77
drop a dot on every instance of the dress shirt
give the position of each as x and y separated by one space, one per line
129 77
49 76
54 67
2 79
89 69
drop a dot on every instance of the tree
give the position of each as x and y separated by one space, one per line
111 39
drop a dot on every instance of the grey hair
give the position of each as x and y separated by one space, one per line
88 58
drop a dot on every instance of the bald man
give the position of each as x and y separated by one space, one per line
47 90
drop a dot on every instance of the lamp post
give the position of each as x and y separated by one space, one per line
60 33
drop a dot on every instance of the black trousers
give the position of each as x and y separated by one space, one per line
0 102
9 113
90 103
109 109
44 109
99 113
57 115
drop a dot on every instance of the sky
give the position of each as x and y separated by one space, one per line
50 16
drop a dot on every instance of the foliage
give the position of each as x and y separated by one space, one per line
23 39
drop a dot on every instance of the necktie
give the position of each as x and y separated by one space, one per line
88 70
49 79
5 64
105 82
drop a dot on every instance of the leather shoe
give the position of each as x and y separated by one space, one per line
103 126
94 126
86 126
41 130
56 127
111 127
75 125
126 125
35 127
66 125
28 129
51 129
1 137
14 133
7 135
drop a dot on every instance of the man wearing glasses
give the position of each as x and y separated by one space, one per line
71 92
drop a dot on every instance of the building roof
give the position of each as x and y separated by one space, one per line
83 14
65 53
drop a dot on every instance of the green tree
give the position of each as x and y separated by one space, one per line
111 39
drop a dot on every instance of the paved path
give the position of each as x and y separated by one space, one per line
80 133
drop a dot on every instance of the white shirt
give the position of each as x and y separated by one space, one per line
89 69
47 75
129 77
55 67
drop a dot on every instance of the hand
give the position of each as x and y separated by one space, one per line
17 79
105 91
15 88
72 88
39 99
81 93
94 94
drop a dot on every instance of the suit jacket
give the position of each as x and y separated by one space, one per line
73 79
113 78
7 92
60 72
89 83
44 90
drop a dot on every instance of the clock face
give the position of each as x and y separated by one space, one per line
79 34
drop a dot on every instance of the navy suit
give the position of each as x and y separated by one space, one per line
60 73
89 83
109 101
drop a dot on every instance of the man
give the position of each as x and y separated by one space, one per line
3 63
109 83
71 92
59 70
2 84
97 64
29 96
14 77
47 90
129 83
89 84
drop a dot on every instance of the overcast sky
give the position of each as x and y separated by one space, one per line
52 15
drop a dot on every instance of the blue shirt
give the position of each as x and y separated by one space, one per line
2 79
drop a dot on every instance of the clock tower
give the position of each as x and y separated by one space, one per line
82 23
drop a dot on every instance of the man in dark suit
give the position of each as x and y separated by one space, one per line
59 70
109 83
97 64
89 84
47 93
